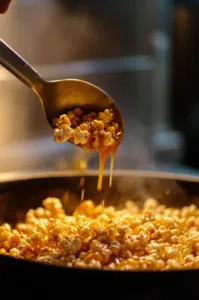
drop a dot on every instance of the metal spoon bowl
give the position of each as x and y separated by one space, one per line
59 96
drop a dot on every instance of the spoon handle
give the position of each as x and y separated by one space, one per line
14 63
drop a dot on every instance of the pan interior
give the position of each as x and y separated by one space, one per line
17 196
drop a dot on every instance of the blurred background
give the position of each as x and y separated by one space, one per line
144 53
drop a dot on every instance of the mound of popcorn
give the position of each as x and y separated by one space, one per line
154 237
88 130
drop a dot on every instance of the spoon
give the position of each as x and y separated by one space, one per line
59 96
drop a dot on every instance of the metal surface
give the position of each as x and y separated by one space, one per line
20 191
58 96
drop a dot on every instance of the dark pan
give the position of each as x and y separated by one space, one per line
19 192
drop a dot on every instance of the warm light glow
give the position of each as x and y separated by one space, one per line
182 17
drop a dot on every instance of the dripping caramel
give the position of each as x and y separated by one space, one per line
91 131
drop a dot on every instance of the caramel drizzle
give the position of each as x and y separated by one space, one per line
103 155
102 159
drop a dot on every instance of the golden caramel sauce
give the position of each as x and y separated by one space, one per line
102 159
82 194
101 132
104 152
103 155
111 169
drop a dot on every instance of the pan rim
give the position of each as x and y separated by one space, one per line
76 269
44 174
